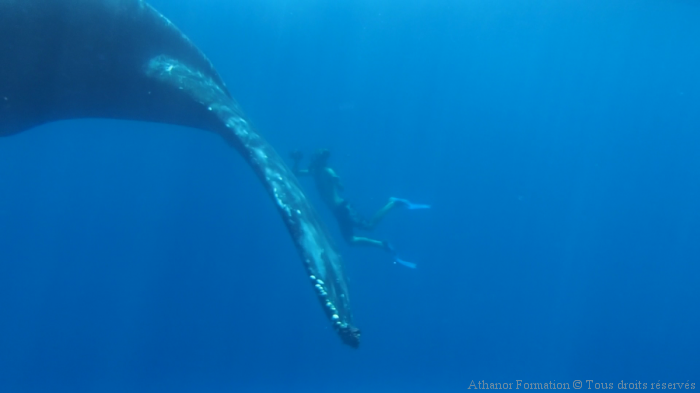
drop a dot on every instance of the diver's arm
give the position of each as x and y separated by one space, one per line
296 158
298 171
336 179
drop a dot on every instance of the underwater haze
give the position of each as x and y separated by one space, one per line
558 142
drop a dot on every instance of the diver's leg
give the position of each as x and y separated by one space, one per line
367 242
351 220
378 216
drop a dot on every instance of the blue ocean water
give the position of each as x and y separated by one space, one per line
557 142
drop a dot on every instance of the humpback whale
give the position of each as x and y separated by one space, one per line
122 59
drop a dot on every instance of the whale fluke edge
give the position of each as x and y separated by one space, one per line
122 59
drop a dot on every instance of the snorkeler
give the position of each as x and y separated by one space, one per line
329 187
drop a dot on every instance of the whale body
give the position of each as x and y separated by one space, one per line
122 59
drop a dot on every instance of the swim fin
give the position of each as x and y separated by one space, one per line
409 205
392 250
409 265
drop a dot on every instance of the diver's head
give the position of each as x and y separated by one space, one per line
320 159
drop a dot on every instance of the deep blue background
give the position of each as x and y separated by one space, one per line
558 142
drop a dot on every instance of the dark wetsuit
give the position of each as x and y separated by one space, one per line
348 219
329 188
